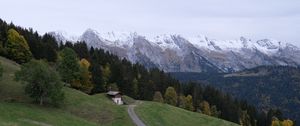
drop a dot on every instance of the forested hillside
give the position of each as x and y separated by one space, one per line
92 71
265 87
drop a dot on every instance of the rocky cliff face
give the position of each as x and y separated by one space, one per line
175 53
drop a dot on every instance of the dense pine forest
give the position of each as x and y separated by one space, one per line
94 70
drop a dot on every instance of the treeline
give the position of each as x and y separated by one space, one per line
94 70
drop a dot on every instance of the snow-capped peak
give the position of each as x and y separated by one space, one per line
122 39
164 41
167 41
63 36
199 41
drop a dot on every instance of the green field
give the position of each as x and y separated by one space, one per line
80 109
157 114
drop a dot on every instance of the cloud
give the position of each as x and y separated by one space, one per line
219 19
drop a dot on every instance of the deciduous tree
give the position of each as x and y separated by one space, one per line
189 103
158 97
205 108
85 76
171 96
41 82
287 122
17 47
277 122
182 101
245 119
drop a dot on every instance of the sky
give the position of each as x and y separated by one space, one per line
216 19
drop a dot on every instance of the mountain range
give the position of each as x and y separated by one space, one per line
176 53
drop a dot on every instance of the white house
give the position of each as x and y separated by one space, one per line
116 96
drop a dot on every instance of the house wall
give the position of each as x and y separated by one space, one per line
118 101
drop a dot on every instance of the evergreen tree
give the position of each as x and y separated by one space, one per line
97 78
2 49
273 113
69 67
112 87
171 96
17 47
41 82
82 50
50 41
106 73
50 48
135 87
214 111
1 70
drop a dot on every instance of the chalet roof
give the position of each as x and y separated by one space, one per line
113 93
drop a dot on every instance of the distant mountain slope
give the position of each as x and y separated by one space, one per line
265 86
175 53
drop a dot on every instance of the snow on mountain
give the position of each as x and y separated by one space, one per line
164 41
175 53
63 36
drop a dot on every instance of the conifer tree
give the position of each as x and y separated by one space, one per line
69 67
106 73
1 70
135 87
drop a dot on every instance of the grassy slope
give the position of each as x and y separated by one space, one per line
79 109
156 114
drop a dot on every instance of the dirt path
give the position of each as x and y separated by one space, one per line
133 116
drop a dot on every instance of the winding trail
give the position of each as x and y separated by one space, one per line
133 116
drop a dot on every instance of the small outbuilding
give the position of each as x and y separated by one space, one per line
116 96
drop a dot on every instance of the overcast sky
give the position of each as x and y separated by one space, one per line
217 19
